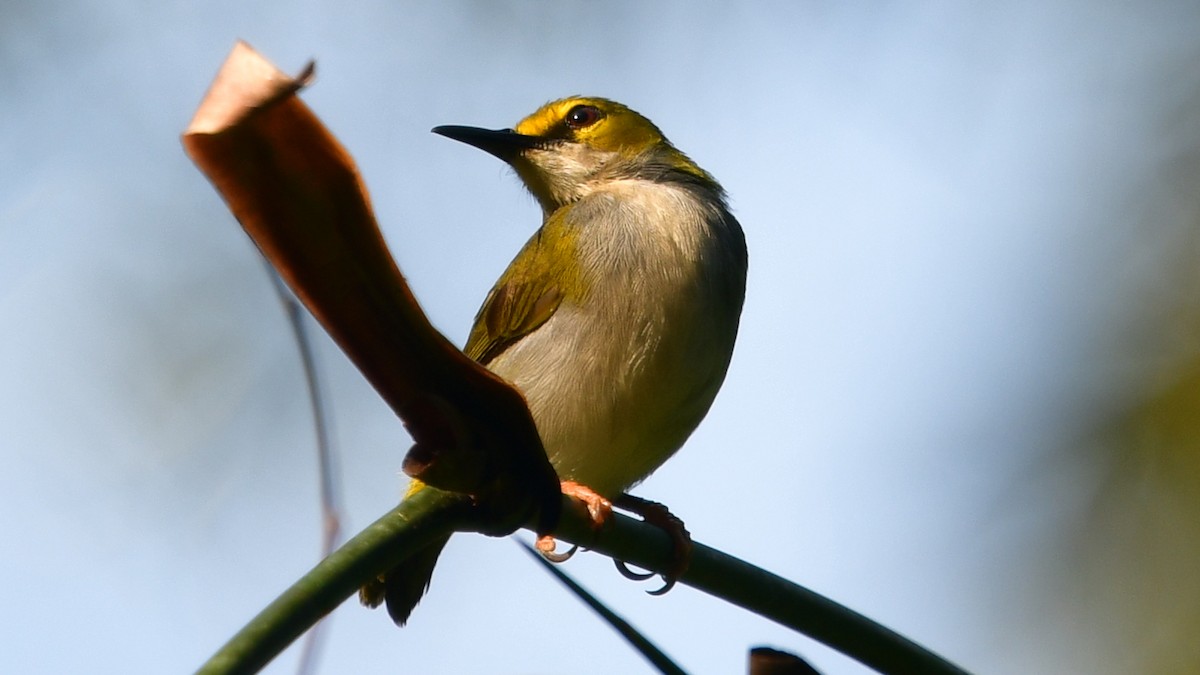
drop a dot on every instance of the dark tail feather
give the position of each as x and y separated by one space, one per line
403 586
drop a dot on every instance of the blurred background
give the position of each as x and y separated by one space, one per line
966 395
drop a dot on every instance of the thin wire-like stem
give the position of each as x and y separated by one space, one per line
642 644
330 493
415 523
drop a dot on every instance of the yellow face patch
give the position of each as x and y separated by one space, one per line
596 122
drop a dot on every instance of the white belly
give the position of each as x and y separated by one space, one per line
617 381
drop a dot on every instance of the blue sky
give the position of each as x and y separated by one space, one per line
954 213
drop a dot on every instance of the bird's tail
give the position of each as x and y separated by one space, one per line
403 586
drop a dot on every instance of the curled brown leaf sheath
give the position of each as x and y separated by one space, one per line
298 194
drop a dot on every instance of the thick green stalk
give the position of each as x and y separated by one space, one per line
419 520
432 513
763 593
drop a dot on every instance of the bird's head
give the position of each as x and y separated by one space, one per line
568 147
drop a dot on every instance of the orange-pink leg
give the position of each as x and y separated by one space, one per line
599 508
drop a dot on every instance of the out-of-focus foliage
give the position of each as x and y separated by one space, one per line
1133 557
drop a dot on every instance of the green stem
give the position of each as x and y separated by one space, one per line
420 519
763 593
431 513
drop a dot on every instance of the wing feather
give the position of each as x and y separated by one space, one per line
528 293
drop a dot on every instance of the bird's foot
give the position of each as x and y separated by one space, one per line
681 541
599 509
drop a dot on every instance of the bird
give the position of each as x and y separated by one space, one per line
617 319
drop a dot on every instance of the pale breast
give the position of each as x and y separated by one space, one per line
618 380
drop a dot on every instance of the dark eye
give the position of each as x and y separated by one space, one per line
583 116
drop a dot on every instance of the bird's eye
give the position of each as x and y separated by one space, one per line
583 116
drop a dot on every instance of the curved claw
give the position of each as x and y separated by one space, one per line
546 546
681 542
561 557
668 580
630 574
668 584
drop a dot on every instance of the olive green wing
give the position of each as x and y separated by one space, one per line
512 310
529 292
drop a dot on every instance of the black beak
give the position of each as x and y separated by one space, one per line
503 143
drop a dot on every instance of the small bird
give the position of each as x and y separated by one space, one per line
617 319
